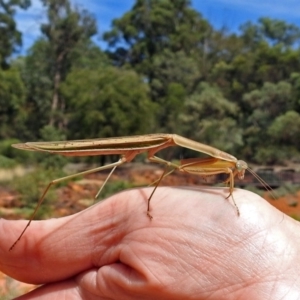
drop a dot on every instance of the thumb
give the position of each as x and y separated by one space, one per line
61 290
70 244
115 281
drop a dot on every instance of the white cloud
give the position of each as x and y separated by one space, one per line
29 22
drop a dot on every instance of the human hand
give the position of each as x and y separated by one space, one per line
195 247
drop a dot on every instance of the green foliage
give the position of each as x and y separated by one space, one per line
65 43
153 26
266 104
12 99
10 37
6 149
273 31
50 133
295 82
107 102
36 73
86 55
66 29
10 156
201 119
170 68
48 160
166 70
269 155
31 187
171 108
174 76
285 128
6 163
161 41
114 187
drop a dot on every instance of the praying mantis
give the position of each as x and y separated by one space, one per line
128 147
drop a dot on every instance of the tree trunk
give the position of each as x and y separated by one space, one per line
55 98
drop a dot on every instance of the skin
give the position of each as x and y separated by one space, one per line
196 247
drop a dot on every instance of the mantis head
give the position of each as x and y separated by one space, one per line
241 167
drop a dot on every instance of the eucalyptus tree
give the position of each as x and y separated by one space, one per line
10 36
66 29
164 41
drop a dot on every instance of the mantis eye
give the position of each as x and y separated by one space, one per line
241 165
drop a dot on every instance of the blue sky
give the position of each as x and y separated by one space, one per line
229 13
